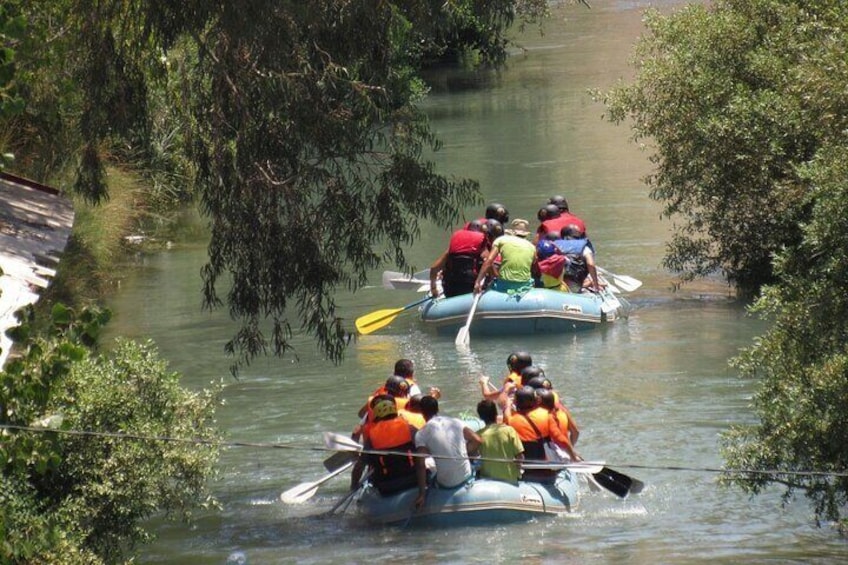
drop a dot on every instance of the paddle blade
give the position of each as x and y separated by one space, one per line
372 322
338 459
341 442
463 337
627 283
617 483
299 494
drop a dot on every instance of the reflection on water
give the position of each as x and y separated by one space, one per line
653 391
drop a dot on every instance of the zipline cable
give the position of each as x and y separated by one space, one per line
300 447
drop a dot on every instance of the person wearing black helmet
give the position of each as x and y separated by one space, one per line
535 426
556 216
515 363
561 413
390 473
580 271
459 264
497 211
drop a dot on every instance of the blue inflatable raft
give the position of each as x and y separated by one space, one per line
538 310
481 501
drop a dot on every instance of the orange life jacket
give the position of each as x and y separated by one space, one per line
391 435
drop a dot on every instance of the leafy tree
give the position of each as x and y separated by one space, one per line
746 103
802 401
721 93
297 122
70 498
11 30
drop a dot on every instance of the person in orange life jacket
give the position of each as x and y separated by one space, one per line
542 384
565 215
395 386
580 271
515 363
549 401
406 368
412 412
459 264
449 441
535 426
391 473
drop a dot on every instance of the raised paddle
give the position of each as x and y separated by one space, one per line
305 491
627 283
372 322
463 336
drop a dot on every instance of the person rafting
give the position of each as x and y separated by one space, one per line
390 473
580 271
499 441
561 413
516 255
515 364
564 218
459 264
550 264
535 426
448 440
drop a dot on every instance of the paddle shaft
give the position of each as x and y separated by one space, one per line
375 320
463 336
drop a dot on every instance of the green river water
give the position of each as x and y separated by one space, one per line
653 391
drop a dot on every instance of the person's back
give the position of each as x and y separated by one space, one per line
499 441
391 473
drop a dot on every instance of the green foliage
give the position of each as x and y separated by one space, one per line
81 498
294 122
12 28
735 97
802 361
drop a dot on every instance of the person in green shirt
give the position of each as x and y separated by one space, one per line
499 442
516 255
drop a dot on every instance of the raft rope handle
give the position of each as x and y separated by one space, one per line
296 447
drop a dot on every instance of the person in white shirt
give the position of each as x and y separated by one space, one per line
448 441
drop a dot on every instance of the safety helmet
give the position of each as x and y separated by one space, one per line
383 406
545 248
553 236
397 386
525 398
548 212
497 211
572 231
539 383
531 372
546 398
494 229
518 361
476 225
560 202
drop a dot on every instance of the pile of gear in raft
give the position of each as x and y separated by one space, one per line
486 253
407 444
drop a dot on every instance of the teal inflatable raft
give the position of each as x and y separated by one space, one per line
538 310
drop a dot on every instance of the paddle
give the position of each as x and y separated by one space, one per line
463 336
610 303
394 280
305 491
585 467
618 483
625 282
381 318
341 442
338 459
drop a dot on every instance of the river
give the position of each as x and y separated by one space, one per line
654 391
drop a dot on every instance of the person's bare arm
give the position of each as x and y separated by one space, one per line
435 269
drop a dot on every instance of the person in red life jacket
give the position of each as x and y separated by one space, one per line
535 426
515 363
390 473
550 220
580 271
412 412
459 264
563 414
566 215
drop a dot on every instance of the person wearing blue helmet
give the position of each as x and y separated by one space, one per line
550 264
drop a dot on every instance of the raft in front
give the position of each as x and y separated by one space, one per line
481 501
539 310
